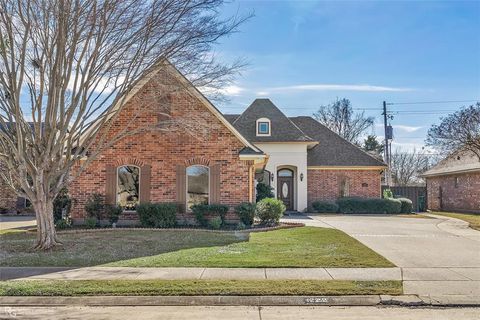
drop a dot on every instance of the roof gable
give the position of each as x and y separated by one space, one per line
332 149
168 67
282 128
457 162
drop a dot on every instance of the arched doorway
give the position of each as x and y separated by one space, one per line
285 190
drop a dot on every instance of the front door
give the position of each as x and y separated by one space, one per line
285 187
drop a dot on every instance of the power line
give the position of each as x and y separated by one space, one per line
430 102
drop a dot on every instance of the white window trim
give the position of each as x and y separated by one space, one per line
139 183
186 184
269 127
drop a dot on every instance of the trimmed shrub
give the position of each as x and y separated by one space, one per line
63 224
91 222
157 215
407 205
215 223
95 206
113 213
270 210
369 205
203 212
246 213
325 206
264 191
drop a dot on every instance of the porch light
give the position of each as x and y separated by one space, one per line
301 176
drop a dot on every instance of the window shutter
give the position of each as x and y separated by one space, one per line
181 187
21 203
215 183
111 185
145 183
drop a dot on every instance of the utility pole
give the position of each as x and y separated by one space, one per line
387 153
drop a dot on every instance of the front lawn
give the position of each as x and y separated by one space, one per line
296 247
472 219
197 287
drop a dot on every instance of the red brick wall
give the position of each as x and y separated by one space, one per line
208 140
463 197
8 198
326 184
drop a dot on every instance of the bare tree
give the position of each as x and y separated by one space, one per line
407 166
68 66
457 131
341 119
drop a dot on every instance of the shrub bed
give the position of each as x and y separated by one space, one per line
158 215
204 213
325 206
270 210
369 205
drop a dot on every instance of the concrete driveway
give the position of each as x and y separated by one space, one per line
410 242
17 222
438 257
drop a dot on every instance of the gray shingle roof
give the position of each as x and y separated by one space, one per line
231 117
332 149
282 128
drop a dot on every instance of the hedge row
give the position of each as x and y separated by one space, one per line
364 205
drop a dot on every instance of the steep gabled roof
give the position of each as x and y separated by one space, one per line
333 150
282 129
166 65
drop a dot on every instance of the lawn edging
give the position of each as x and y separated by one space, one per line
283 225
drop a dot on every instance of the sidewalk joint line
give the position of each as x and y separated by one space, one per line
328 273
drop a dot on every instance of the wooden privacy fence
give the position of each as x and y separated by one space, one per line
418 195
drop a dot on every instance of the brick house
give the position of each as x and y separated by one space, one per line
221 157
454 183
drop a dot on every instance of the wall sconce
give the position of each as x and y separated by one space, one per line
272 177
301 176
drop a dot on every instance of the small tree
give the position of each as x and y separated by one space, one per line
67 69
341 119
457 131
371 144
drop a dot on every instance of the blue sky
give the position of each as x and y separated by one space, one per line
304 54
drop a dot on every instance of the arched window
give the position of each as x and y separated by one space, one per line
128 187
285 173
198 185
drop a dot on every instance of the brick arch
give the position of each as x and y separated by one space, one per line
197 161
128 161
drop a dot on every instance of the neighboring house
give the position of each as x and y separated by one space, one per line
219 158
454 183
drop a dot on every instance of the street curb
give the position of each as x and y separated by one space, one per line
364 300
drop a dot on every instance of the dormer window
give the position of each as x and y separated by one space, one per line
263 127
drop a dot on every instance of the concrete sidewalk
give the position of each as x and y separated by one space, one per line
126 273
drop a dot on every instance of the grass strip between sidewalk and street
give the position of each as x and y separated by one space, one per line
472 218
196 287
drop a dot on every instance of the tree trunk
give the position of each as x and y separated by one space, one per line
46 234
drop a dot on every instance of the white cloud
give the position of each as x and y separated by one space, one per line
232 90
406 128
402 127
339 87
263 93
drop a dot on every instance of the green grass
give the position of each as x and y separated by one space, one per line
296 247
472 219
197 287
